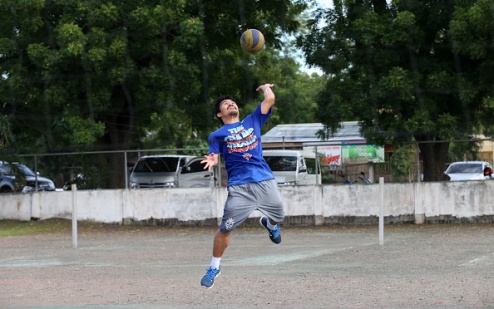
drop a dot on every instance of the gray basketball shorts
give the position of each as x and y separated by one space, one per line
243 199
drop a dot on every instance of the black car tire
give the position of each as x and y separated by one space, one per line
5 189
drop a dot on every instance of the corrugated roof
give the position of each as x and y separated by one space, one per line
307 132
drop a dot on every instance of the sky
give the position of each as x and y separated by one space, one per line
324 4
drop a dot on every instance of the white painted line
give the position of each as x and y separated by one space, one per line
486 259
282 257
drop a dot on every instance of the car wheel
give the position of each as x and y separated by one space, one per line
5 190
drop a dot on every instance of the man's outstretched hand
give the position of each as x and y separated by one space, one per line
210 161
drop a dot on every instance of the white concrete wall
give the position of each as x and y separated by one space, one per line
454 199
364 200
458 199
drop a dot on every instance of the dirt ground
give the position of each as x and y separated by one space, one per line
428 266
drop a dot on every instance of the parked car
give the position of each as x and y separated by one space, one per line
469 170
170 171
33 181
293 167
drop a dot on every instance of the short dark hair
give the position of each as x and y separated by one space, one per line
217 104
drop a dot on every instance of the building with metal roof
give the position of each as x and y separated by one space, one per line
297 135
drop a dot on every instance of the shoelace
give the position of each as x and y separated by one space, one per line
211 273
276 231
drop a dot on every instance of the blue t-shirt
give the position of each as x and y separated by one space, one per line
240 145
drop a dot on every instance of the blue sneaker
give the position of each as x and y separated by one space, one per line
208 279
274 234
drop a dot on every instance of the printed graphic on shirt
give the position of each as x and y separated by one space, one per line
241 140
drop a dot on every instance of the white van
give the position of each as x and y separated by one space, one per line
293 167
170 171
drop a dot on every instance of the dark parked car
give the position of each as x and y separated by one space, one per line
8 172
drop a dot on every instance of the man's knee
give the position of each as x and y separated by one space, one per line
222 234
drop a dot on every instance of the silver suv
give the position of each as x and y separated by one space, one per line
33 181
170 171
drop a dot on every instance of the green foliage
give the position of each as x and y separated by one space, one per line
407 70
21 228
71 39
117 62
91 75
5 132
464 151
402 162
81 131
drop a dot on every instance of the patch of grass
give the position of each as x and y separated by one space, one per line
21 228
60 226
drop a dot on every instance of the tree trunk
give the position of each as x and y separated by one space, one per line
434 154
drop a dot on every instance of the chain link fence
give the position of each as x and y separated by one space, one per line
312 164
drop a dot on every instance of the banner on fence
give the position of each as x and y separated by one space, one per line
330 155
362 153
335 155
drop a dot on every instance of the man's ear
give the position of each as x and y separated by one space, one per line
218 115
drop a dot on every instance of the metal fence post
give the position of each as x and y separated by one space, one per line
381 211
74 212
126 171
36 187
417 158
318 170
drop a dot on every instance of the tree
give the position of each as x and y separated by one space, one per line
472 32
5 132
92 75
398 68
296 91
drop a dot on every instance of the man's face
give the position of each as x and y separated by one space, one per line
228 108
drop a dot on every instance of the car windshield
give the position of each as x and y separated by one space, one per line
25 169
156 165
6 169
282 163
465 168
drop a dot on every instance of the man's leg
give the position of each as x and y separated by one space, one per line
273 229
221 242
239 204
271 205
